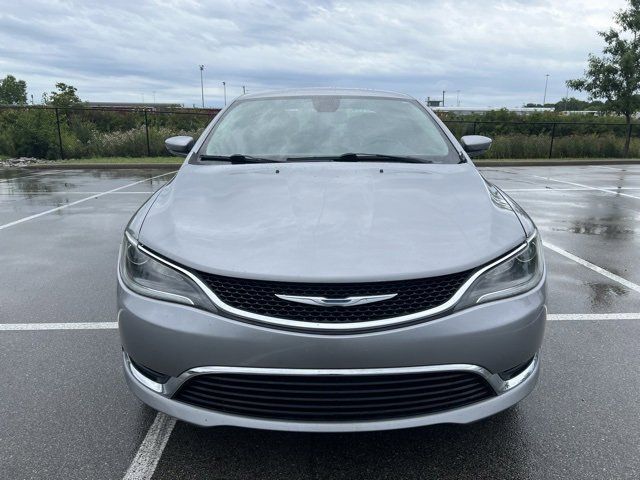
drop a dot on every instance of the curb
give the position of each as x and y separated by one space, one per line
477 163
103 166
555 162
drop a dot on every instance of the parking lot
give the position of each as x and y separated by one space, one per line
65 411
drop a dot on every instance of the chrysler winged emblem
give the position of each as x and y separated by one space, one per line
336 302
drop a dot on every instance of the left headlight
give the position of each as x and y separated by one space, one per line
152 278
517 274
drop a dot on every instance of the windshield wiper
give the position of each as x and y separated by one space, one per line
364 157
237 158
358 157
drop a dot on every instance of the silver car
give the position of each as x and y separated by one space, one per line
330 260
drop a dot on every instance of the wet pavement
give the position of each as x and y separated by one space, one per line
65 411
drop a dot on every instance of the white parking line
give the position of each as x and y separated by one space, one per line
574 189
595 268
592 316
608 168
588 187
151 448
73 193
59 326
114 325
31 217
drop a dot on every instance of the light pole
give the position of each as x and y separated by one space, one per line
443 92
201 84
224 88
244 90
546 82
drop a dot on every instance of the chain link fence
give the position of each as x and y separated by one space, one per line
549 139
83 132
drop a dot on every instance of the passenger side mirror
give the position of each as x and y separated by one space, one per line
179 146
475 145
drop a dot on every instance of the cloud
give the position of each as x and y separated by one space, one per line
496 52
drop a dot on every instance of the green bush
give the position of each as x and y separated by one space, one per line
28 133
32 132
570 146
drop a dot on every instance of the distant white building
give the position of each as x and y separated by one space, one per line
473 110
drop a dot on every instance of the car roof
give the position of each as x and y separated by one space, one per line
340 92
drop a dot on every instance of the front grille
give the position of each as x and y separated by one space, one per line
258 296
334 397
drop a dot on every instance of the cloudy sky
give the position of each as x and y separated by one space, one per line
495 52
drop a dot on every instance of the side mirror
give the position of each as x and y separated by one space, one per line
179 146
475 145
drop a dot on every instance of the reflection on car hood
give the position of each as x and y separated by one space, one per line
330 221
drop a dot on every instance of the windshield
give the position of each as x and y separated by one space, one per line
318 127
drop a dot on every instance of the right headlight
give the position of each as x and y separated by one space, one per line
517 274
151 277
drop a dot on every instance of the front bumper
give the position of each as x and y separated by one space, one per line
508 393
174 340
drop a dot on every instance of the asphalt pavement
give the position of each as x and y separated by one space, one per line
65 411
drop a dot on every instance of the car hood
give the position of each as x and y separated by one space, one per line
330 222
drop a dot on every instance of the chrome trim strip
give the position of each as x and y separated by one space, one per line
139 376
335 302
337 326
497 383
518 379
500 294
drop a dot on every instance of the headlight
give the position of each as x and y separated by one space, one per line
515 275
152 278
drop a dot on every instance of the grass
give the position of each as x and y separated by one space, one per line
121 160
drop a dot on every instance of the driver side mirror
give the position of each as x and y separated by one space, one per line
475 145
180 145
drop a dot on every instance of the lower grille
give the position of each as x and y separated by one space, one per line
334 397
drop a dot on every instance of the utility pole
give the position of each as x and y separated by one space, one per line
566 99
546 83
443 92
224 87
244 90
201 84
154 96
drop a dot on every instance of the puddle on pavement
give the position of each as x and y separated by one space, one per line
604 294
607 227
16 181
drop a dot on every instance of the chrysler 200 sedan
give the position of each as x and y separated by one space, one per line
330 260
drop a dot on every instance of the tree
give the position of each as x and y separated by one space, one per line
615 76
539 105
64 96
13 91
573 104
